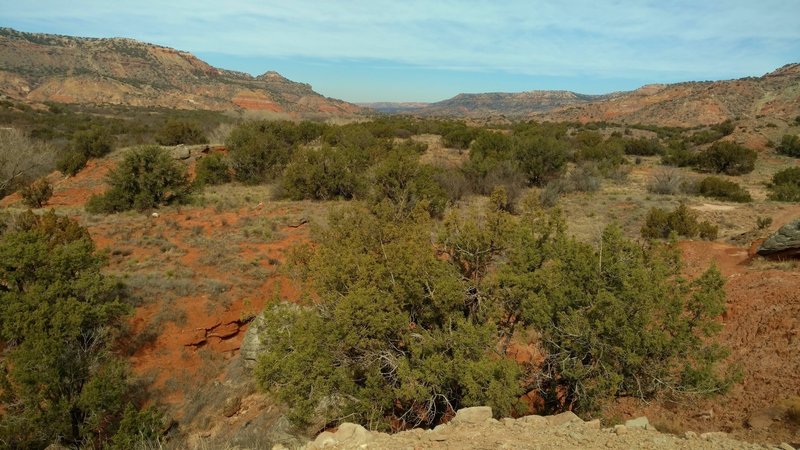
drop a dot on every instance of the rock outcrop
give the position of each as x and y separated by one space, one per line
784 242
472 428
37 68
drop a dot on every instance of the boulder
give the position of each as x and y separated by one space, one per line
563 419
475 414
181 152
785 241
639 422
251 343
231 406
348 435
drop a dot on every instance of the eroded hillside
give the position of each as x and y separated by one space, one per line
39 68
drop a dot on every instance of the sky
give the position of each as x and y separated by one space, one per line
430 50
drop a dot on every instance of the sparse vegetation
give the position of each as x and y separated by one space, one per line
668 182
763 223
22 160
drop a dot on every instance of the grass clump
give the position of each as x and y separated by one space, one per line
668 182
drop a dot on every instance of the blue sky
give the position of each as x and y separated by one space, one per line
429 50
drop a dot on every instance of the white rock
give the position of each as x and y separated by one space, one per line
563 419
475 414
639 422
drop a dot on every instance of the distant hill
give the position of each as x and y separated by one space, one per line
394 107
507 104
774 95
37 68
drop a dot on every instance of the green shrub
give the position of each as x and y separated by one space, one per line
71 162
352 135
175 132
643 147
682 221
391 337
259 150
785 185
58 315
93 143
325 174
612 321
789 146
36 194
720 189
213 169
678 155
727 157
406 183
487 151
707 230
401 335
148 177
139 429
541 158
458 137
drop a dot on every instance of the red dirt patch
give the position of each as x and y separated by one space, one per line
192 337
